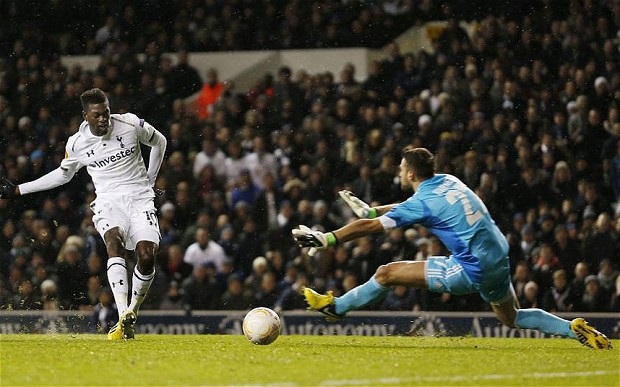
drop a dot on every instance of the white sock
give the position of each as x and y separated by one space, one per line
140 285
117 277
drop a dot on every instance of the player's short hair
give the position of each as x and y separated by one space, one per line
92 97
420 160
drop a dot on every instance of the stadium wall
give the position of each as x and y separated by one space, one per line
366 323
244 67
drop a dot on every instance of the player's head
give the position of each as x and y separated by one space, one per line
418 164
96 111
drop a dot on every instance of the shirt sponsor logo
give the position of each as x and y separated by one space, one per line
113 158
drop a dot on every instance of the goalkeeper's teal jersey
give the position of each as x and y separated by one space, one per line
459 218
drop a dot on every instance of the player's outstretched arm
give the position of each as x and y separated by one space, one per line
53 179
361 208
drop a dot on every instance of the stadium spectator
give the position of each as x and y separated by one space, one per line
607 275
236 296
545 263
259 266
267 293
559 298
520 278
245 190
400 298
200 289
49 296
601 243
208 95
104 314
173 299
594 299
26 297
210 155
205 250
566 249
184 78
290 297
531 295
72 279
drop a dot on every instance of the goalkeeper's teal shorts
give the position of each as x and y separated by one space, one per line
446 275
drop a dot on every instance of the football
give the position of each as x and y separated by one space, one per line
261 326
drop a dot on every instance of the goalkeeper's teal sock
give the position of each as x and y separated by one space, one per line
543 321
367 293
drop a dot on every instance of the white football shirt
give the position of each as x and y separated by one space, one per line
114 161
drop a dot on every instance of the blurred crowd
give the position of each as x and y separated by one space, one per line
524 108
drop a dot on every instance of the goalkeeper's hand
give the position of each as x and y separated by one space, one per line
361 208
315 240
7 189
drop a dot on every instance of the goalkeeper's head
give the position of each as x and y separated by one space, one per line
417 165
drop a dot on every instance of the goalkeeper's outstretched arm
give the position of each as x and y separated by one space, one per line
358 229
384 208
361 208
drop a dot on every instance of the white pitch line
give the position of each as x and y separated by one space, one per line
427 379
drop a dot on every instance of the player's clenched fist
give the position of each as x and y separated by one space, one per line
316 240
358 206
7 189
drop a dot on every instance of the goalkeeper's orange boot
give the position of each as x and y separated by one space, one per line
323 303
588 336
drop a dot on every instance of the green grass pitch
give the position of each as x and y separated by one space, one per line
192 360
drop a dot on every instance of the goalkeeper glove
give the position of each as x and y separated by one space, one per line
358 206
316 240
7 189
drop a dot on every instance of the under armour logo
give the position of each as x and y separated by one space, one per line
135 293
90 153
120 283
120 139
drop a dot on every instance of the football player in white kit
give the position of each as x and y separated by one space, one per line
108 145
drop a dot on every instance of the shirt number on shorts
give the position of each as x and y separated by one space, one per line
151 217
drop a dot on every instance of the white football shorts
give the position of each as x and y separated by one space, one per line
134 214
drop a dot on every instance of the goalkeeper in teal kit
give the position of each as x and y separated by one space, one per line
458 217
